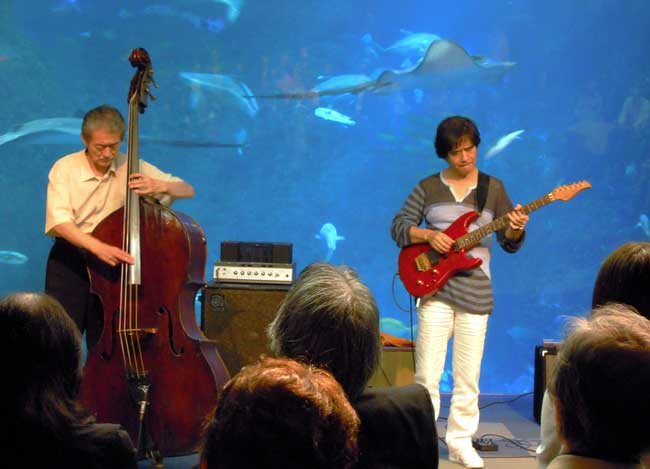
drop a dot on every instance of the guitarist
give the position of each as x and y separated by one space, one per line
462 306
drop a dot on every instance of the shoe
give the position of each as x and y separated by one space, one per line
468 457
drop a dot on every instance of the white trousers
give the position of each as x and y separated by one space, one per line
437 322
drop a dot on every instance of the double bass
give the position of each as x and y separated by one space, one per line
152 371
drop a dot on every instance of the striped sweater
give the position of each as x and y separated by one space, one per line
433 202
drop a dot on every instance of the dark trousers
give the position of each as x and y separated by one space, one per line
66 279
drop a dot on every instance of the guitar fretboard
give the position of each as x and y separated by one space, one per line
472 238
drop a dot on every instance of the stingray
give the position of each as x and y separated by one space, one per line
445 64
67 130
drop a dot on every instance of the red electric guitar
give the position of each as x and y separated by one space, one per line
424 271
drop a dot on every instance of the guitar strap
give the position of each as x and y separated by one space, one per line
482 190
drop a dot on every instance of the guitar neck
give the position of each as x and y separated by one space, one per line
474 237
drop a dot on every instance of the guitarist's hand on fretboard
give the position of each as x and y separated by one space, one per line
517 221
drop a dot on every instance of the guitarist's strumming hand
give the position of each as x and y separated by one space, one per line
518 220
439 241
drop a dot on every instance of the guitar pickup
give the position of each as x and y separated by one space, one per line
422 262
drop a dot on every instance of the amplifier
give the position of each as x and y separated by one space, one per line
237 272
545 356
256 253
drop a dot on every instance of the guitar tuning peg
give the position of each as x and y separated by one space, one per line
153 98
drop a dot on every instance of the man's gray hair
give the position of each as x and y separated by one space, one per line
104 117
330 319
601 384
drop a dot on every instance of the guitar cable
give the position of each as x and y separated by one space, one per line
410 311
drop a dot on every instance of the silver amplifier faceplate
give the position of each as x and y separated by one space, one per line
253 273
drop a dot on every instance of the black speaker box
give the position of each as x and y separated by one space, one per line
545 356
236 316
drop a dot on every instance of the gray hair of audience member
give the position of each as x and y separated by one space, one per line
624 277
601 385
279 412
103 117
330 319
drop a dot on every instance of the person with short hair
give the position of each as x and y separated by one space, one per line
84 188
600 388
329 318
623 277
462 306
280 413
43 423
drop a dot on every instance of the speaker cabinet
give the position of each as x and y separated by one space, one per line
396 368
545 356
236 316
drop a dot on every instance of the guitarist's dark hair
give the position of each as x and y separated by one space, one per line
451 130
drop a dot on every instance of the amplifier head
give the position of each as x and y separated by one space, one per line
266 253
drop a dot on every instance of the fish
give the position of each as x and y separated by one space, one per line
234 8
333 115
341 81
236 91
371 46
329 235
198 22
67 130
418 95
12 257
644 224
502 143
55 130
65 6
241 137
444 64
413 43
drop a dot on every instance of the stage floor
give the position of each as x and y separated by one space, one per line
501 416
508 420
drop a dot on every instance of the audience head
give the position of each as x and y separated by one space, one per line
624 278
330 319
601 384
42 346
281 413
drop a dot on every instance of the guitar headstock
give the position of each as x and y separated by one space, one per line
567 191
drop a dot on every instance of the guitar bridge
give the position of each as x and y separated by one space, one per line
422 262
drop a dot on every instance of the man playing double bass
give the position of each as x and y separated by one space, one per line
83 189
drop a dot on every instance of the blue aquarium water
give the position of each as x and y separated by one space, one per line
328 156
